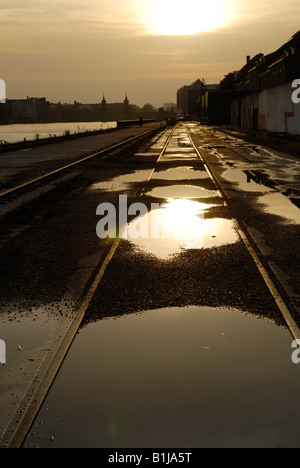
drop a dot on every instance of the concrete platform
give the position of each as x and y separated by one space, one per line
22 165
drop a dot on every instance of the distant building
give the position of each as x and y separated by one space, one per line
35 110
126 108
118 110
182 101
3 114
216 106
258 96
189 98
102 111
170 106
267 85
30 110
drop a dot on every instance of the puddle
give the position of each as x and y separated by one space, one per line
180 173
25 334
274 202
179 157
182 191
275 156
244 182
184 143
28 340
178 149
179 377
180 225
280 205
122 182
180 140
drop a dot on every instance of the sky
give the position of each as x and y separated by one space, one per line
68 50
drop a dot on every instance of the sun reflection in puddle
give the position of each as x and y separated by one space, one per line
179 225
278 204
180 173
182 191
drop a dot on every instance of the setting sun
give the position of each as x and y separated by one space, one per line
175 17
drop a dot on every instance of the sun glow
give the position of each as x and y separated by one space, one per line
186 17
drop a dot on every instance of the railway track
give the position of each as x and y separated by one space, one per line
241 149
254 250
29 411
25 188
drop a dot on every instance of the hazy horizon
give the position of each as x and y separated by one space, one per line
77 50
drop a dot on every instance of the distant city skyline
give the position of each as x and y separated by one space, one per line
75 50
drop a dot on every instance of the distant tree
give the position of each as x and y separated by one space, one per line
148 109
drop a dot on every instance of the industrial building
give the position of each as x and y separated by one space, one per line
30 110
267 81
258 96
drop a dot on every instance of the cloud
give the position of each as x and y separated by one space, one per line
79 41
36 13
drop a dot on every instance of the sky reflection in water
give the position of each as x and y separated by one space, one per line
177 225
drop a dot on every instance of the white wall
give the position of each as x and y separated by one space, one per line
277 110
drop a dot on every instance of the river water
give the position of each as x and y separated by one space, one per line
17 132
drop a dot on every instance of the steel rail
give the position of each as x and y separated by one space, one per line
165 147
248 241
230 146
161 154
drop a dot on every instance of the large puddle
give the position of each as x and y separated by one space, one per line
272 201
179 225
180 155
182 222
181 191
180 147
179 377
125 181
28 339
180 173
280 205
244 182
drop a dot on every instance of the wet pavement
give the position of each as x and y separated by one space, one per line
182 344
191 366
262 186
